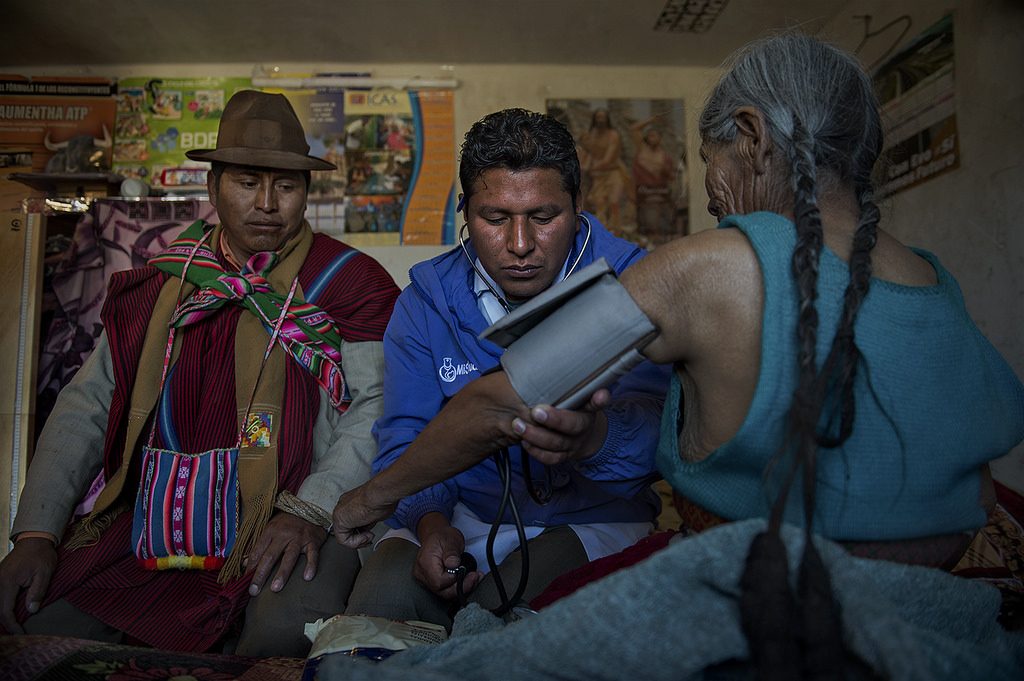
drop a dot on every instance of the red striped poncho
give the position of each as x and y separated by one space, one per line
189 610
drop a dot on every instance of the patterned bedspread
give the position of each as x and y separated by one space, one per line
48 658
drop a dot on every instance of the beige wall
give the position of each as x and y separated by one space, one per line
972 216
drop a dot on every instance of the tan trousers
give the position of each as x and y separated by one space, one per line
273 621
386 587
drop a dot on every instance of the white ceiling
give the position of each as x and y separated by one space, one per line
111 32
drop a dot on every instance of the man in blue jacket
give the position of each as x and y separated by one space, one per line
521 180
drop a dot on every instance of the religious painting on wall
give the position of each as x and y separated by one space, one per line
634 164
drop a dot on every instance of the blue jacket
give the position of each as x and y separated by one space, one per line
431 351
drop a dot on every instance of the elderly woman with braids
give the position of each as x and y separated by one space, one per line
808 337
814 352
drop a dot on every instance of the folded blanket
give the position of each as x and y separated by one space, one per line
675 616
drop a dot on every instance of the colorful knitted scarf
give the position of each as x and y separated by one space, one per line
308 333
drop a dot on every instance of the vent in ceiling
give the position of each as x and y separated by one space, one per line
689 16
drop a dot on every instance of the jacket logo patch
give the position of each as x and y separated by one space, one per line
449 372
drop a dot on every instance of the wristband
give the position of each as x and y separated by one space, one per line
34 534
311 513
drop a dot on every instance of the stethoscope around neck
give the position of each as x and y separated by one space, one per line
541 494
487 280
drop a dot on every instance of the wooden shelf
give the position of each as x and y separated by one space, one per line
71 184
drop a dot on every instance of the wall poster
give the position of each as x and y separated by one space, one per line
394 150
159 119
65 124
916 90
633 157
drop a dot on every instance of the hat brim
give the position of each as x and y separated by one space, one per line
261 158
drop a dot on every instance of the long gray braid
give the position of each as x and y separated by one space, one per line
822 114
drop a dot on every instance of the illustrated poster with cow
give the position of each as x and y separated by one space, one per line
66 124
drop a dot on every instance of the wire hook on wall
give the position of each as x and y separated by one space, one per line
869 34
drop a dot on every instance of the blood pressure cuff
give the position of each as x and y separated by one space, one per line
580 335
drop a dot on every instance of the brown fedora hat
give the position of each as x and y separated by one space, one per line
260 129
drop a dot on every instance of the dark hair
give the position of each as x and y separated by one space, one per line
217 167
518 139
823 117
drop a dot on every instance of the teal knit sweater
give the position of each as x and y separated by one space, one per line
934 401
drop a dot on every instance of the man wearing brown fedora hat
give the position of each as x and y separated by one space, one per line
228 403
